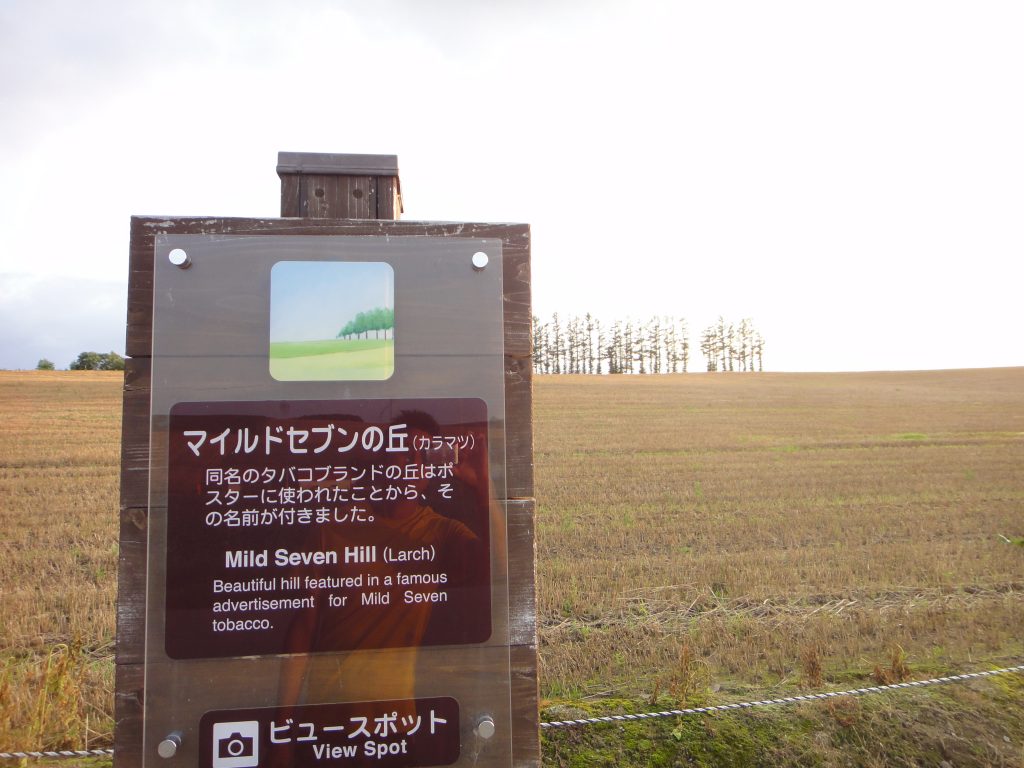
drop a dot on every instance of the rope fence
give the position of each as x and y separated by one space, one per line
783 700
60 753
646 715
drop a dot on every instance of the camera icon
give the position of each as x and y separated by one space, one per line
236 745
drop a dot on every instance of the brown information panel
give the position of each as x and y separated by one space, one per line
412 732
308 526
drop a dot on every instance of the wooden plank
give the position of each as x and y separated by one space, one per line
290 196
339 186
128 699
326 196
129 672
518 428
389 201
140 289
522 596
131 588
332 196
517 308
525 697
133 541
135 434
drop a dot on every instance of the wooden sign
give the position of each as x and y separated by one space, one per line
327 494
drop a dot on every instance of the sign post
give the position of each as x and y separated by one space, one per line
327 512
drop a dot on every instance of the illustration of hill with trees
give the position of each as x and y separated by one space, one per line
319 332
363 349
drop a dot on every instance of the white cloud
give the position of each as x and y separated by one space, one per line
831 171
57 318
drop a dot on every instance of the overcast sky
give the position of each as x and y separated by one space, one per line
849 175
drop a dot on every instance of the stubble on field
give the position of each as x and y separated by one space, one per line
741 532
59 455
732 533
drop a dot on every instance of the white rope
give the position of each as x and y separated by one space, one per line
61 753
784 700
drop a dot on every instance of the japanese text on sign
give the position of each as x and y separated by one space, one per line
340 526
409 732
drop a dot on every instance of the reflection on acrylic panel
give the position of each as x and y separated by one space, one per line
332 321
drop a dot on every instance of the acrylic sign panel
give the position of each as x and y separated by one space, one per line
327 524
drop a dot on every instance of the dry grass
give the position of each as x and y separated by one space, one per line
782 528
696 533
59 453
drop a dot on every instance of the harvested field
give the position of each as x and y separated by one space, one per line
60 437
708 537
776 528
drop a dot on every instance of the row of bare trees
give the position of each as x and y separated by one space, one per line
660 344
587 345
730 347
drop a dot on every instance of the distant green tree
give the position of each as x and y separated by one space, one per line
376 320
86 361
96 361
45 365
111 362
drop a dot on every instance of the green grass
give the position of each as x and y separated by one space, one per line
333 360
974 724
280 350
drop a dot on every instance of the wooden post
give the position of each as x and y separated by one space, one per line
321 186
334 193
